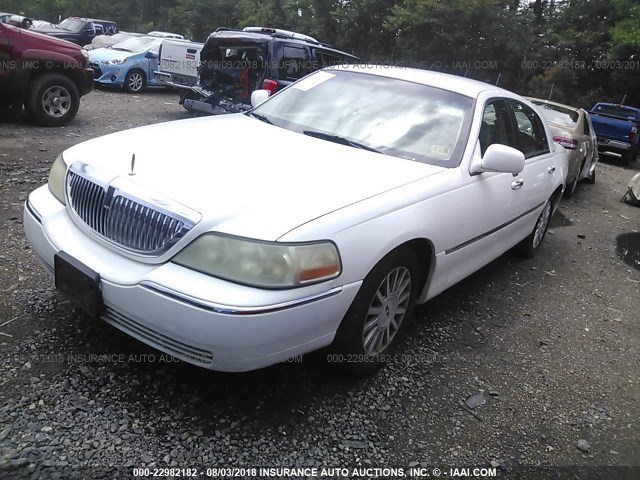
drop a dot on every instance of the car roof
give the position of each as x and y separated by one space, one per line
267 37
92 20
444 81
549 102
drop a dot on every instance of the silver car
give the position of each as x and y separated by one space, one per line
571 127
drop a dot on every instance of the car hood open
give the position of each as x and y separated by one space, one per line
244 176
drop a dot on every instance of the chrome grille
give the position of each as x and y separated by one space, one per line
127 222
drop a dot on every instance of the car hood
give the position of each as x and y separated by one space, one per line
56 32
27 38
246 177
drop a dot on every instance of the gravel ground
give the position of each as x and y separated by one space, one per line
546 351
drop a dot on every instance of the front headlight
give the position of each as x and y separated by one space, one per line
56 179
261 264
117 61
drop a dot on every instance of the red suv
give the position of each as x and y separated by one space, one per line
46 75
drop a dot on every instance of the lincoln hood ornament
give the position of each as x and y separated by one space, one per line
133 165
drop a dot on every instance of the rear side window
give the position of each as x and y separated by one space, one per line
295 63
530 135
329 59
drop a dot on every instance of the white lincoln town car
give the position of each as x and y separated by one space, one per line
318 218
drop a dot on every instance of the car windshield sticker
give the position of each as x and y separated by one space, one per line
313 81
440 150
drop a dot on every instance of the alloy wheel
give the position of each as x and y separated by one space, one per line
56 101
386 311
541 225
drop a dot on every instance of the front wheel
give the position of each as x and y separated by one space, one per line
530 245
135 81
52 100
379 314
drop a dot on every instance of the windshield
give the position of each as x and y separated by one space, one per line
395 117
137 44
72 24
558 115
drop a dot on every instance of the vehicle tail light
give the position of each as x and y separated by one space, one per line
569 143
270 85
633 133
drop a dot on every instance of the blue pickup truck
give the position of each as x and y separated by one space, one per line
616 127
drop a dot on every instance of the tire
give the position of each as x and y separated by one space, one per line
10 111
52 100
571 189
135 81
364 339
528 247
630 156
591 179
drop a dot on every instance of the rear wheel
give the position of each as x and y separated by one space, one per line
571 188
135 81
379 315
530 245
630 156
52 100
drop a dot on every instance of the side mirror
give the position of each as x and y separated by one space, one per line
151 55
258 97
500 158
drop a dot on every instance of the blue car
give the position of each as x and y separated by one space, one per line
128 64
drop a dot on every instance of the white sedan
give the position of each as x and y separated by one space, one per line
319 218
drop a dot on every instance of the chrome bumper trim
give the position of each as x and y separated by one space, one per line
32 211
235 310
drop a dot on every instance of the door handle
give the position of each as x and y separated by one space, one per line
551 169
516 184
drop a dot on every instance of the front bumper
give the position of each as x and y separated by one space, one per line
106 74
200 319
85 86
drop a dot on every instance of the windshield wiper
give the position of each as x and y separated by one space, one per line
120 49
262 118
341 140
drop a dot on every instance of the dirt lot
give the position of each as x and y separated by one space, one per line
552 344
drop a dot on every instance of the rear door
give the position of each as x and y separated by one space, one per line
532 187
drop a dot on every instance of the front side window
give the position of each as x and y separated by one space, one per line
530 135
395 117
496 126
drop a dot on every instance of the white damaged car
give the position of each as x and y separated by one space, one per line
320 217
